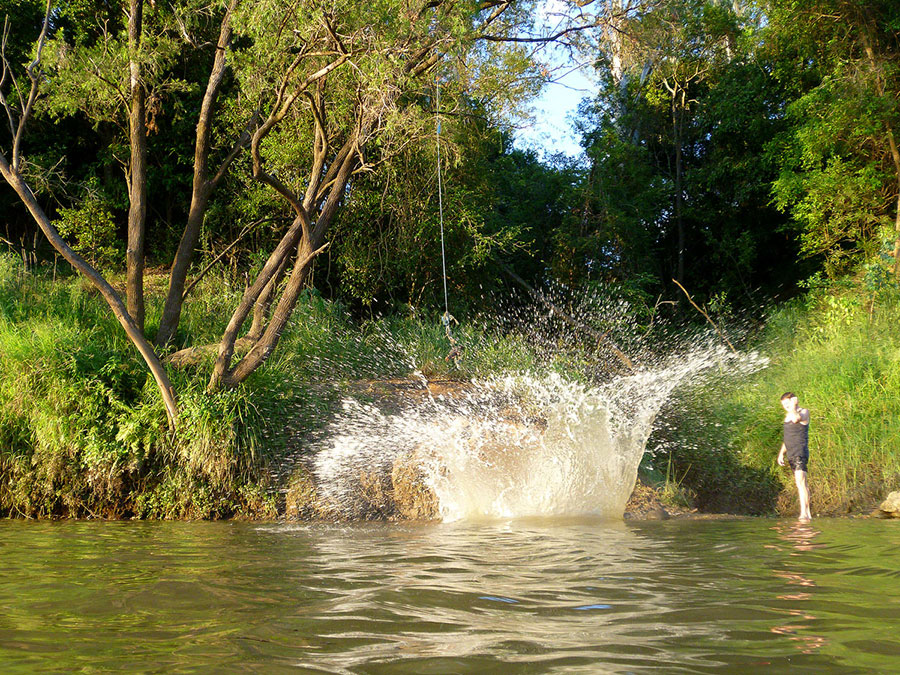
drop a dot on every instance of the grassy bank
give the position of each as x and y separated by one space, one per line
83 431
838 349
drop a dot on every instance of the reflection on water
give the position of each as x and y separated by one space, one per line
800 536
525 596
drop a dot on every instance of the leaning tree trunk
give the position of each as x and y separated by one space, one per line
280 315
222 367
135 334
325 191
137 174
310 245
203 185
264 303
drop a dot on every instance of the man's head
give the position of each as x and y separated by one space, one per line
789 401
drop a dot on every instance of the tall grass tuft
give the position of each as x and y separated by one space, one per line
839 351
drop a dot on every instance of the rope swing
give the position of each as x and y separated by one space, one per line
447 318
437 86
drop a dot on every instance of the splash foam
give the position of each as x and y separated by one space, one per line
520 445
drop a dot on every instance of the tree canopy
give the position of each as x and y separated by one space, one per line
735 147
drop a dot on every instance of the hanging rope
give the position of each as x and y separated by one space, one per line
437 86
447 318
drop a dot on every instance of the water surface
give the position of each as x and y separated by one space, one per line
537 596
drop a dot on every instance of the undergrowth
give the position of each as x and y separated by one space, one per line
83 430
838 349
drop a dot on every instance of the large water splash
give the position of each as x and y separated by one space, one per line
513 446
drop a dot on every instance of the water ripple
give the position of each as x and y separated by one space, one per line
593 596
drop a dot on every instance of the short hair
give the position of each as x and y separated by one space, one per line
789 394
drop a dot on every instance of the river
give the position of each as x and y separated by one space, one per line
563 596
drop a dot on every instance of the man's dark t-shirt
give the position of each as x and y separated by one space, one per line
796 444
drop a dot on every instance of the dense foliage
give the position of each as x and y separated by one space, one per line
737 147
284 155
840 352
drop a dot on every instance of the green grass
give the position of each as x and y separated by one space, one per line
83 430
82 427
841 356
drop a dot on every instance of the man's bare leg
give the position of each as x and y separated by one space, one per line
803 492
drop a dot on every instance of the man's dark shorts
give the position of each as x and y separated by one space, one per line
797 462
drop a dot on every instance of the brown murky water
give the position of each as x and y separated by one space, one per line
516 597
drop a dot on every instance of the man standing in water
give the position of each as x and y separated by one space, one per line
795 448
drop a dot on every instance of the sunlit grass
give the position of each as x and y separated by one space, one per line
83 430
841 356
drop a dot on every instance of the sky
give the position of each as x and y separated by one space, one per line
552 128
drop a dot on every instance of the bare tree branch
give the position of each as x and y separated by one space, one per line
320 144
221 255
712 323
280 109
7 73
28 106
539 38
240 144
496 14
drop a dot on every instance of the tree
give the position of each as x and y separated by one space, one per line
840 164
683 42
18 117
679 185
321 94
359 95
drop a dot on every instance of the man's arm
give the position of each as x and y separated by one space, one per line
781 455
